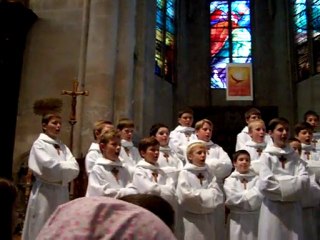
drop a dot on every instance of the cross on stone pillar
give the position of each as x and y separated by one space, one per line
74 93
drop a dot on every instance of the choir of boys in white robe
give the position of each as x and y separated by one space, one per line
109 178
243 198
283 179
199 196
179 139
54 167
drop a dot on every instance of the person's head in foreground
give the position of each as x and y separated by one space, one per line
103 218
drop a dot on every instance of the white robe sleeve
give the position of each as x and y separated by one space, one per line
282 187
144 185
103 183
248 199
198 201
221 166
45 162
90 160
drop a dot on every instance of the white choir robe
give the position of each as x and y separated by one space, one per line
310 206
220 166
316 141
130 157
244 203
198 201
102 182
308 152
244 137
92 155
255 150
283 188
54 167
179 139
170 163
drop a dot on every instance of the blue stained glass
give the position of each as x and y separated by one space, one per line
300 19
170 9
221 50
170 25
160 4
316 17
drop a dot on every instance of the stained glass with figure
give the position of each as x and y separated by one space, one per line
230 37
306 16
165 39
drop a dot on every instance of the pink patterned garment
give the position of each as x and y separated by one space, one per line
103 218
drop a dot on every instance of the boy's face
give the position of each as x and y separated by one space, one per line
205 132
111 150
280 135
162 136
257 132
252 118
312 120
305 136
186 120
242 163
296 147
127 133
52 129
151 154
197 156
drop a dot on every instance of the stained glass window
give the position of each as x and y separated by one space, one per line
306 15
230 37
165 39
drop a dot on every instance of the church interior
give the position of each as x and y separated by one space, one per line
145 60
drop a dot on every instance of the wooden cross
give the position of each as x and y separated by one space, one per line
259 151
314 141
57 147
127 150
74 93
155 176
244 181
115 173
307 153
166 155
282 159
187 134
208 152
200 177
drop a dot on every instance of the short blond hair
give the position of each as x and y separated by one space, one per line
192 145
200 124
255 122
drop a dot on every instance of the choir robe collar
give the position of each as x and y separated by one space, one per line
108 162
190 166
278 151
44 137
253 144
126 144
307 147
236 174
209 144
144 164
165 149
185 129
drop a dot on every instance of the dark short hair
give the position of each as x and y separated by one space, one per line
185 110
238 153
125 123
310 113
302 126
147 142
155 127
252 111
275 121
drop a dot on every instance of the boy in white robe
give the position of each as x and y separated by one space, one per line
311 198
220 166
54 167
283 180
94 150
312 118
198 195
129 154
168 159
243 137
183 133
255 146
109 177
243 199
